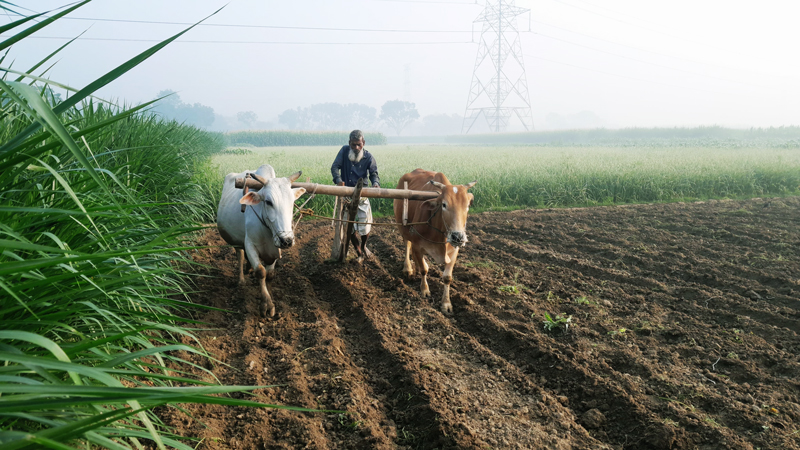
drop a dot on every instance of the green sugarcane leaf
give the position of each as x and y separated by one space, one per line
29 31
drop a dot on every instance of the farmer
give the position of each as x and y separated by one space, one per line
354 162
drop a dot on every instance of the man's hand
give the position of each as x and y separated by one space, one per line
341 183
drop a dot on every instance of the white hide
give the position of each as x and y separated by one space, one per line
273 203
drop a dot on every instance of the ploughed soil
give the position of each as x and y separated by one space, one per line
683 334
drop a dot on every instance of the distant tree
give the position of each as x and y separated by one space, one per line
398 114
324 116
247 117
292 118
329 116
169 103
439 124
196 114
360 116
172 107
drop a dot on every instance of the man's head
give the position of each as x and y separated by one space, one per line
357 140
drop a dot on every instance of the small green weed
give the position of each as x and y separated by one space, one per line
552 298
514 290
406 436
559 321
344 420
620 332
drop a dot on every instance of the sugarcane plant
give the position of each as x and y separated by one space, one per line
98 203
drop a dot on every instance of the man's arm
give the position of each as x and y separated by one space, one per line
373 172
336 168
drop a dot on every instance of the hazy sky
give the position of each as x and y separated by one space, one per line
633 63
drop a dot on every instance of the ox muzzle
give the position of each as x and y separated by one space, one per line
457 238
283 240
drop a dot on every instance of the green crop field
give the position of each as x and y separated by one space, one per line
512 177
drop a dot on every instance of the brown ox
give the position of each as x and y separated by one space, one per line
443 228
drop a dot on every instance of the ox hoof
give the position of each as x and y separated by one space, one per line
447 308
408 273
426 293
267 310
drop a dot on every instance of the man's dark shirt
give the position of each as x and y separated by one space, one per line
351 172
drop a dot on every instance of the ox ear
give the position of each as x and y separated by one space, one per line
295 176
252 198
471 198
437 184
298 192
469 185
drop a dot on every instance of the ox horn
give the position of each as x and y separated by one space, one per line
437 184
469 185
259 178
295 176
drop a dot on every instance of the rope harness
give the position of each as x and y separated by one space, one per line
414 230
266 223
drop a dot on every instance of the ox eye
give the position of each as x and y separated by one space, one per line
268 203
444 205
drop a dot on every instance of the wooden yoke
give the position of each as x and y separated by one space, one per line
341 212
346 191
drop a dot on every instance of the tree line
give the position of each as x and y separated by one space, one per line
394 114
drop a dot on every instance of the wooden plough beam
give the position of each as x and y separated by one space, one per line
341 241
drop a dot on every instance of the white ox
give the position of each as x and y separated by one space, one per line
264 228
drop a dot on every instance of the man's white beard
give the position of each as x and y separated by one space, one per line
355 157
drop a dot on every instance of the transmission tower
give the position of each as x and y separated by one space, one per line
499 86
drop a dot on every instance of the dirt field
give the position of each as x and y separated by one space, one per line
684 334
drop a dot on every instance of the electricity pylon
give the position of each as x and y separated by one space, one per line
499 86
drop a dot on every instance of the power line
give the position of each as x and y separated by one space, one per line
642 27
624 76
374 30
249 42
348 43
651 63
617 12
355 43
639 49
283 27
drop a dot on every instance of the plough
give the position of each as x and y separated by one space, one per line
339 247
